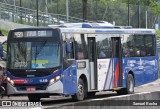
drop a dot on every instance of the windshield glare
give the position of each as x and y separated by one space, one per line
34 55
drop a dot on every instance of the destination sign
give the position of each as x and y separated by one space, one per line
40 33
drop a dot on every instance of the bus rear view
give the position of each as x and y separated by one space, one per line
34 62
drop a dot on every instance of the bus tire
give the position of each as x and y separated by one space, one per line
129 86
79 96
34 98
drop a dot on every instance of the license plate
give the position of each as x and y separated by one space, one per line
30 88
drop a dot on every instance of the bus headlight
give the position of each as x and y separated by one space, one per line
55 79
52 81
10 81
58 77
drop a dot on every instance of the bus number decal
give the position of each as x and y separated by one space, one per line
43 80
18 34
81 64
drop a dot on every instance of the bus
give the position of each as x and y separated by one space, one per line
79 61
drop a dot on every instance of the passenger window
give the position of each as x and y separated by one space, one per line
81 46
68 46
104 48
139 46
68 50
128 45
149 45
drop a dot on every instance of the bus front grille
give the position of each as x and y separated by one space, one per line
36 86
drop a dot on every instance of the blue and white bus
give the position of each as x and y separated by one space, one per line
79 61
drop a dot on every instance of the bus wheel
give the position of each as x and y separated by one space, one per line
34 98
81 91
130 84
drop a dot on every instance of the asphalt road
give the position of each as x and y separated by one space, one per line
58 100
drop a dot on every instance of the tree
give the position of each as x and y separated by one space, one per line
155 9
84 10
142 2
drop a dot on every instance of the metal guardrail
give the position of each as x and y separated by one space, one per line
28 16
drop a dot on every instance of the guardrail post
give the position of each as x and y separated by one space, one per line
25 15
0 11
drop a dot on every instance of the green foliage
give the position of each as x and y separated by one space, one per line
41 23
158 34
5 32
107 10
111 11
141 2
155 7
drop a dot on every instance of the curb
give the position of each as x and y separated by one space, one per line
154 83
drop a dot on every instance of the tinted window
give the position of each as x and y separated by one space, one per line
149 45
104 49
139 46
68 50
81 46
115 47
68 46
127 45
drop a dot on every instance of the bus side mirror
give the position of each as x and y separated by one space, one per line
68 48
1 51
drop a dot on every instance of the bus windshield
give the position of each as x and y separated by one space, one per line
34 55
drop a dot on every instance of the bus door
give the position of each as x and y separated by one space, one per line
92 62
108 63
116 63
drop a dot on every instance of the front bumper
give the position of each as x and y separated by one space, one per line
56 88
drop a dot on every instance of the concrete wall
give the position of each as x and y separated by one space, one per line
118 102
6 25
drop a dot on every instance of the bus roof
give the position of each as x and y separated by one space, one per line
84 25
89 25
108 31
101 28
94 30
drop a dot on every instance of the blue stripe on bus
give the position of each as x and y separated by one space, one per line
107 74
112 74
124 31
111 31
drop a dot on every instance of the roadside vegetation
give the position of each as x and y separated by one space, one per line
5 32
97 10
